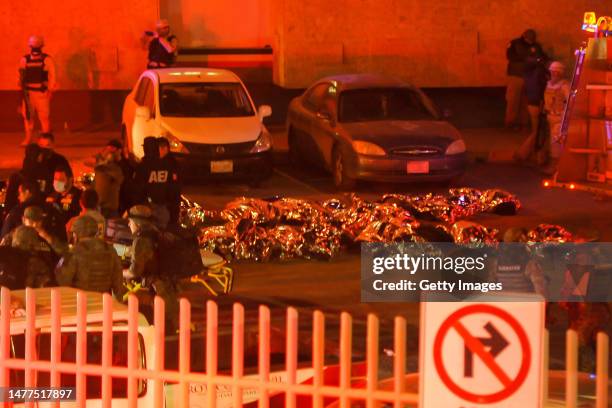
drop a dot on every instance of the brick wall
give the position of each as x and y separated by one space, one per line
442 43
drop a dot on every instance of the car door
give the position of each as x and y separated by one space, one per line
313 103
144 126
323 126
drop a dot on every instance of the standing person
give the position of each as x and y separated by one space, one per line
163 48
107 183
37 80
174 190
144 264
89 207
517 53
536 76
92 264
555 98
65 196
155 181
114 151
48 162
38 267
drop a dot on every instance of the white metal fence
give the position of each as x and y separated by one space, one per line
146 371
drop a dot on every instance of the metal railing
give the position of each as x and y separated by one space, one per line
344 393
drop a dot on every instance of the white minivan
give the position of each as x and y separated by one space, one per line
207 115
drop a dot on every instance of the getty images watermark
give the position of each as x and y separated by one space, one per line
557 272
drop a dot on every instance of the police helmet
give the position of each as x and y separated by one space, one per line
84 227
25 238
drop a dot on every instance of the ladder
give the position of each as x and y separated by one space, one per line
569 106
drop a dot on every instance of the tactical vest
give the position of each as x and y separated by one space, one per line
35 75
511 272
159 54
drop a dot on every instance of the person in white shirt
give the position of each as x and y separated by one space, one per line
555 98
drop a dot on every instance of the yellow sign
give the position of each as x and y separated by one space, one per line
592 24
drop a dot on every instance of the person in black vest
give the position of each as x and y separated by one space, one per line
48 162
65 196
37 80
174 198
163 48
517 53
155 180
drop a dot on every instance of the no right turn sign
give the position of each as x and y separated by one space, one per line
481 354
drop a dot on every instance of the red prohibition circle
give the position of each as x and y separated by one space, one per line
448 381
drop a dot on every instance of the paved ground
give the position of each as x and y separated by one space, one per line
334 286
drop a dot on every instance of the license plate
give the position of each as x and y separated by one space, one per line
418 167
221 166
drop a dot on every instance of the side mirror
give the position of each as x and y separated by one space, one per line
143 112
264 111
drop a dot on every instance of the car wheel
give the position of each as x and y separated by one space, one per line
342 180
295 158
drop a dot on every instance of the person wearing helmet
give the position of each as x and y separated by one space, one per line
555 98
37 80
163 48
92 264
144 264
37 265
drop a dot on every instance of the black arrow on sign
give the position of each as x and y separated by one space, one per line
496 343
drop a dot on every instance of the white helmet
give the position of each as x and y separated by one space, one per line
36 41
556 66
162 23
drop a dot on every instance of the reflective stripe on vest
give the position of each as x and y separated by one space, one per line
35 76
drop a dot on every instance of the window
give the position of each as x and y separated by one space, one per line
149 98
94 356
316 96
141 91
204 100
362 105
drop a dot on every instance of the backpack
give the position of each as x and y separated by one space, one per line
179 254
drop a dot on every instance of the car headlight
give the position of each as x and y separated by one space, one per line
456 147
263 143
176 146
367 148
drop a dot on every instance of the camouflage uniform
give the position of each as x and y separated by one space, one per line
38 272
144 266
92 264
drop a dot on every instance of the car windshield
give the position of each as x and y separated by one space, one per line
207 100
364 105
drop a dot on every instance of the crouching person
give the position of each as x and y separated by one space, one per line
145 265
92 264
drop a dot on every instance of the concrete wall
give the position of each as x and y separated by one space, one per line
441 43
219 23
96 44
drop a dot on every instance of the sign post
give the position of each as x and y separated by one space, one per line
482 353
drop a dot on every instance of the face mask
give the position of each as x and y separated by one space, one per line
59 186
36 50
